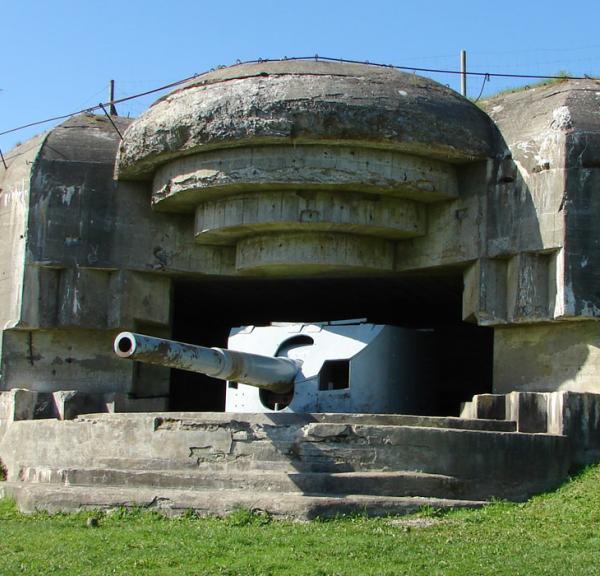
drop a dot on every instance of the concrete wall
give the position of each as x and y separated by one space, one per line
49 360
544 205
14 212
64 291
582 202
547 357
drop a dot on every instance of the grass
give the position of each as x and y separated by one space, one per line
558 78
557 534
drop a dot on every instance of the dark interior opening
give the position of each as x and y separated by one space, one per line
274 400
205 311
335 375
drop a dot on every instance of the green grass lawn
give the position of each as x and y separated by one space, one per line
557 533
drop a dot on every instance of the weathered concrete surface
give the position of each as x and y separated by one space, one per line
394 484
582 245
575 415
305 102
223 220
73 195
49 360
185 182
316 253
547 357
547 205
228 220
272 156
66 289
292 170
487 406
525 202
529 410
31 498
320 454
14 208
22 404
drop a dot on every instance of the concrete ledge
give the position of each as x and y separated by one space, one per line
575 415
183 419
519 464
37 497
227 220
299 253
184 183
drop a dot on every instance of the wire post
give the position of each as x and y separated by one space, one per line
111 98
463 73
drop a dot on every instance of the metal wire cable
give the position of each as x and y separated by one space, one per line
485 79
486 75
99 106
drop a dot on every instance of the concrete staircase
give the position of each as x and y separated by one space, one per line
290 465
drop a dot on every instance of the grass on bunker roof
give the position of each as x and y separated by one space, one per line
556 533
557 78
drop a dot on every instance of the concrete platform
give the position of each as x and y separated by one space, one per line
292 465
33 497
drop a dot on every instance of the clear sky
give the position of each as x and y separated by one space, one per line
58 55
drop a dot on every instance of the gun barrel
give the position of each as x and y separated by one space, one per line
271 373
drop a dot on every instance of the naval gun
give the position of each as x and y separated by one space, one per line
265 372
344 366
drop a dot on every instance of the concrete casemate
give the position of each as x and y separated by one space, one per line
306 191
299 169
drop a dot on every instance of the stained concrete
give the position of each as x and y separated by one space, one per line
288 462
547 357
51 498
183 183
290 171
510 206
273 155
255 171
305 103
574 415
552 132
14 209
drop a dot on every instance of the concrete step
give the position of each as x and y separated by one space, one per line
373 483
182 419
292 454
528 463
32 497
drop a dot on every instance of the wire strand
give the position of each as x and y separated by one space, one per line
98 107
486 76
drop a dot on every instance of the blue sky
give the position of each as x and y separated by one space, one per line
58 55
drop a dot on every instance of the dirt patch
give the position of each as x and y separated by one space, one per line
415 522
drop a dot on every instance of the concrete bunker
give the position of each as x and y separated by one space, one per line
324 202
303 192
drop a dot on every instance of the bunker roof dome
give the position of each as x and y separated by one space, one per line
294 102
